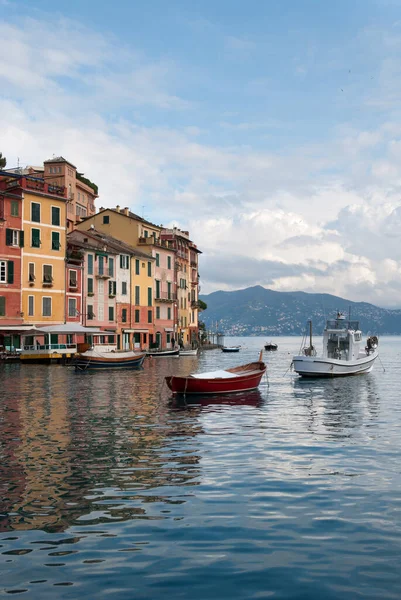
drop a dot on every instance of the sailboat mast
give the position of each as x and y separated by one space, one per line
310 333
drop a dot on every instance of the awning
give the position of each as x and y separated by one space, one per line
135 330
16 328
169 329
64 329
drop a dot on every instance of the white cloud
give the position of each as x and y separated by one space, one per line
317 217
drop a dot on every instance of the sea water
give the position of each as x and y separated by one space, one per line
108 489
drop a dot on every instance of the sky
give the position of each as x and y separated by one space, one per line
269 129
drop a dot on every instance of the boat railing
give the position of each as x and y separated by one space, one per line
50 347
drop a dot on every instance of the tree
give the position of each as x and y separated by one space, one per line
202 305
3 161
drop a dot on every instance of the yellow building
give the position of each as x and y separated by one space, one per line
43 254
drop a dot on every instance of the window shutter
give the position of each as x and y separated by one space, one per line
21 239
2 306
114 288
9 237
110 288
10 271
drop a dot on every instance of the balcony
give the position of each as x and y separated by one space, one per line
102 275
165 297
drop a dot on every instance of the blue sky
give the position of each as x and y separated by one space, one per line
270 129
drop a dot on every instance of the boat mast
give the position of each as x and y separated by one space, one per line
310 334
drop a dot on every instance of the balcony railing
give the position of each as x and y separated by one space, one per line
165 296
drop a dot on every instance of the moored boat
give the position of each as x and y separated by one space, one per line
160 353
231 348
271 346
343 351
94 359
191 352
224 381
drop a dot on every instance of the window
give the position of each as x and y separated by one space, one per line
90 264
72 307
6 271
56 240
31 306
2 306
137 295
136 315
149 296
146 233
14 209
111 313
90 313
169 313
124 315
169 262
80 211
106 219
157 312
47 274
72 279
136 267
35 238
90 285
157 288
35 212
100 287
112 288
169 290
111 267
157 259
15 237
46 307
31 272
149 269
124 261
101 265
149 316
124 288
55 215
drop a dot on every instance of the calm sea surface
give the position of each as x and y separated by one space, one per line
108 490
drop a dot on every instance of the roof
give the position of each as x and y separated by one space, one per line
58 159
102 238
130 215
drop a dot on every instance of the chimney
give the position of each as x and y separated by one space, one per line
126 211
117 208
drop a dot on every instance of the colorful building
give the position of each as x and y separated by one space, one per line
187 283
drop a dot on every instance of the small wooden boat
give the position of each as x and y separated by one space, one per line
160 353
225 381
270 346
189 352
94 359
231 348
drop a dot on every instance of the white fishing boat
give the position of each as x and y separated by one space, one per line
344 352
191 352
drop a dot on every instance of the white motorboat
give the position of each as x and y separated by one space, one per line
344 353
191 352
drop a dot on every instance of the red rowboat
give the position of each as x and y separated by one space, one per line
227 381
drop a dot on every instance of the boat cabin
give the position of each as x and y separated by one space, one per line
342 339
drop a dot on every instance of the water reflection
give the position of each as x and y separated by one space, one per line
338 405
83 452
249 398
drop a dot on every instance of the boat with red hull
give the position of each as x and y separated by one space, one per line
227 381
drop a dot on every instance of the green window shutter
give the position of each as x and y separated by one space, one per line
55 215
157 289
157 260
111 313
115 288
137 295
36 238
56 240
169 262
149 296
10 271
9 237
136 315
90 264
35 212
21 239
137 267
2 306
149 269
90 285
157 312
149 316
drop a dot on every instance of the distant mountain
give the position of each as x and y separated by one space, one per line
259 311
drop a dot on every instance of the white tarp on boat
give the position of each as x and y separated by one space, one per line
215 375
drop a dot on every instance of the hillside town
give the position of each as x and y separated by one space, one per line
63 262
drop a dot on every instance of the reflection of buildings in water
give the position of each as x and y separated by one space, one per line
78 435
43 437
339 404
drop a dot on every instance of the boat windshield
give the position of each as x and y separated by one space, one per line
342 324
